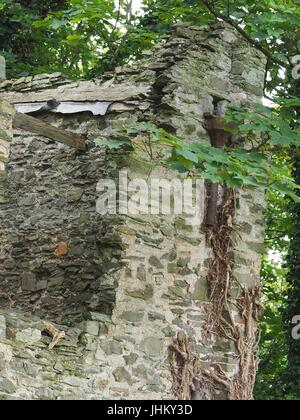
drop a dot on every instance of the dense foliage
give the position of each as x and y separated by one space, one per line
84 38
78 37
26 49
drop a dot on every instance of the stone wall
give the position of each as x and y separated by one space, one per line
126 285
6 114
50 200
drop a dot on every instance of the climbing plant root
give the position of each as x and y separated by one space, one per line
232 319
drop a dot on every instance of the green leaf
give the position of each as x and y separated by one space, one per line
56 23
187 155
113 144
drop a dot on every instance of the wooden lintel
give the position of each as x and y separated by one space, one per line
28 123
220 132
86 92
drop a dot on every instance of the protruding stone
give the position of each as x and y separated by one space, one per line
144 294
111 347
92 327
29 336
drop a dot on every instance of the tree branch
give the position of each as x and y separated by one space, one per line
248 38
117 19
129 12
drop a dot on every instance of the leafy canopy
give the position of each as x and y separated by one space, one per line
263 130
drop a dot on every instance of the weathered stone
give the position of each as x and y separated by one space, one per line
189 240
168 331
173 268
73 381
177 311
260 248
7 386
55 281
247 228
29 282
172 255
103 329
132 316
167 231
2 327
196 317
153 316
155 262
122 375
158 278
92 327
144 294
28 336
154 380
131 358
74 195
185 271
181 283
111 347
59 367
2 363
152 346
120 390
244 279
200 292
140 371
183 261
141 273
177 291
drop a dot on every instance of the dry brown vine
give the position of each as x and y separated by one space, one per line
231 319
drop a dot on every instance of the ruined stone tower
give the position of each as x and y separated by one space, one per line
131 293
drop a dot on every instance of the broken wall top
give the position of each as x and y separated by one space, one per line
197 61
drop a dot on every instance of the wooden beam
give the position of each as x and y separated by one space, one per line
28 123
220 133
